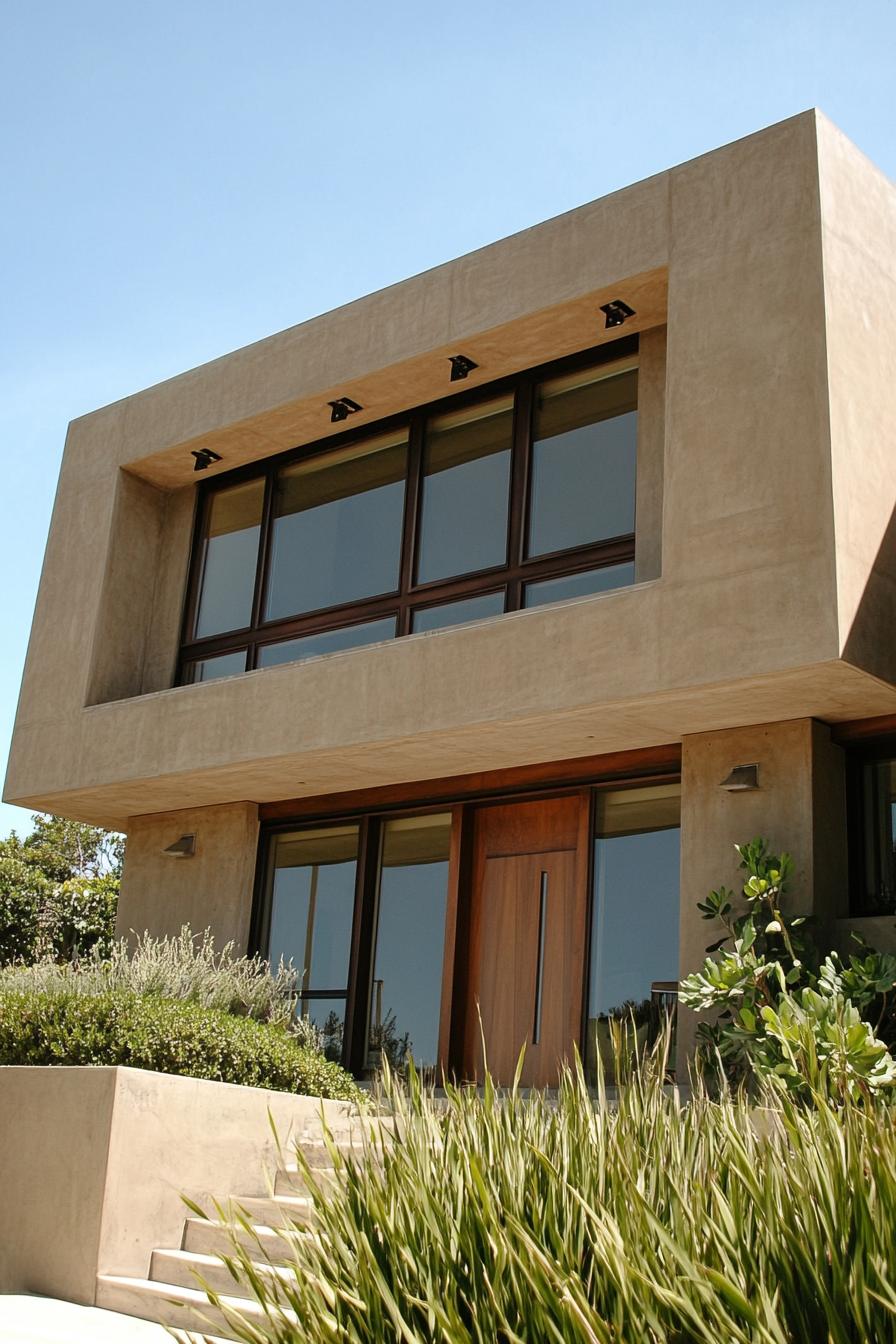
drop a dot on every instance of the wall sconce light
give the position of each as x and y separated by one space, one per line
742 779
461 365
342 408
184 848
204 458
616 312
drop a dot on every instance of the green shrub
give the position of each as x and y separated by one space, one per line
169 1036
661 1222
23 891
187 967
58 891
782 1014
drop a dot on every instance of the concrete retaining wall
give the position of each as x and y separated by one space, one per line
94 1163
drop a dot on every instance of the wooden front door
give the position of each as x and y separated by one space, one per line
527 944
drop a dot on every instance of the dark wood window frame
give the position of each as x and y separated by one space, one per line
460 795
410 596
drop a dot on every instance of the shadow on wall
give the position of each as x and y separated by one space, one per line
871 642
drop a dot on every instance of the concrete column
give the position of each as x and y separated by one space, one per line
799 808
212 889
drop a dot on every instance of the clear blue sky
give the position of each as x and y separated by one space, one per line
182 178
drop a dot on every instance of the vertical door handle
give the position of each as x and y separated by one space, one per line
539 962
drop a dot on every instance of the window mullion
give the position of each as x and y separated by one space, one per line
411 503
519 473
363 950
264 551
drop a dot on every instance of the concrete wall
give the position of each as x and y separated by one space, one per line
94 1162
746 599
210 889
799 808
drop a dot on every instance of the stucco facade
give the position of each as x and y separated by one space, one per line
763 282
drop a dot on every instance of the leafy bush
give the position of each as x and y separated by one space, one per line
58 891
185 967
659 1220
23 892
144 1031
782 1014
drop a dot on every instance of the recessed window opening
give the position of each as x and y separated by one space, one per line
511 497
871 796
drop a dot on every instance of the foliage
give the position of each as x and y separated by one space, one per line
58 891
185 967
62 849
24 892
652 1221
782 1014
144 1031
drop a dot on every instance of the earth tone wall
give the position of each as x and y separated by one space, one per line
799 807
210 889
859 254
94 1162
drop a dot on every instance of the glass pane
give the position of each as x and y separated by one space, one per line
880 838
337 529
455 613
466 465
583 462
407 987
312 894
209 669
586 583
634 938
229 559
328 1015
328 641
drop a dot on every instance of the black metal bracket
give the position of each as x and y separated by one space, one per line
204 458
461 365
617 312
342 408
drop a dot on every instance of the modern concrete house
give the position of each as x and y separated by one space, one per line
448 642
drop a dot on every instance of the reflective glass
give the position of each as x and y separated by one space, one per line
586 583
337 529
312 902
407 985
583 461
456 613
879 806
466 485
229 559
634 938
224 665
328 641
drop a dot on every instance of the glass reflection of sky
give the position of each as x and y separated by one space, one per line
636 910
326 959
409 952
583 485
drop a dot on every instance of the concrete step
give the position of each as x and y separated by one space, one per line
173 1306
320 1155
292 1180
208 1236
188 1269
275 1210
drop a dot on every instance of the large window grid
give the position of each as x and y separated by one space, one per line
391 613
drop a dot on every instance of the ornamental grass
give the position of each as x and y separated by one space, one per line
652 1216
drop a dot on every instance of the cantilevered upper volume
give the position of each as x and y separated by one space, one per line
754 289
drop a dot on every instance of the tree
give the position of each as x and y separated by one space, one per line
58 891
